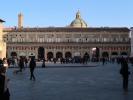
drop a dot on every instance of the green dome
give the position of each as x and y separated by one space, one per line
78 22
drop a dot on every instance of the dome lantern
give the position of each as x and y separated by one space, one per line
78 15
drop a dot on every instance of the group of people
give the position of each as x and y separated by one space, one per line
4 91
4 80
32 65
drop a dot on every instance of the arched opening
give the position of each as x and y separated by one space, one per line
124 54
95 54
13 54
114 53
68 55
59 55
49 56
105 54
41 53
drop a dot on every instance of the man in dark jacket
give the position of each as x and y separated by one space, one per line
125 73
32 66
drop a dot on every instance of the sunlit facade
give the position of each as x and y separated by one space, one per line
2 43
74 40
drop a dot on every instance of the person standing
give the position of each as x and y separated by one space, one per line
26 62
43 63
21 65
125 73
32 66
103 60
4 91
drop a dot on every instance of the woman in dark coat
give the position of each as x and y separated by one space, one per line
32 66
4 91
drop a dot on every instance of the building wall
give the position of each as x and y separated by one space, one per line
131 42
25 43
2 43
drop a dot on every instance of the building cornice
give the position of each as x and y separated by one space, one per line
68 29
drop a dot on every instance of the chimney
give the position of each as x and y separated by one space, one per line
20 20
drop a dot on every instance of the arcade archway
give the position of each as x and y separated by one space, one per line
105 54
123 53
68 55
41 53
49 56
95 52
13 54
114 54
59 55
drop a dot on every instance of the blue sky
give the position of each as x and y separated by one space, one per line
60 13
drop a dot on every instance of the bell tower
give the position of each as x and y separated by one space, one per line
20 20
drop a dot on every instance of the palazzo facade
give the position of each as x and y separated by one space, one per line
74 40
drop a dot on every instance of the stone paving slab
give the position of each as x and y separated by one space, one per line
70 83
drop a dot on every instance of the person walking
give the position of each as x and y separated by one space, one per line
4 91
125 73
32 66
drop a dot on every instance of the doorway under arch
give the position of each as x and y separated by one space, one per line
114 54
13 54
49 56
105 54
68 55
41 53
123 53
59 55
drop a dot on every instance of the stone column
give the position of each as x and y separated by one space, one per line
45 55
54 53
63 53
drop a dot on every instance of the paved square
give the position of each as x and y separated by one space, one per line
70 83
